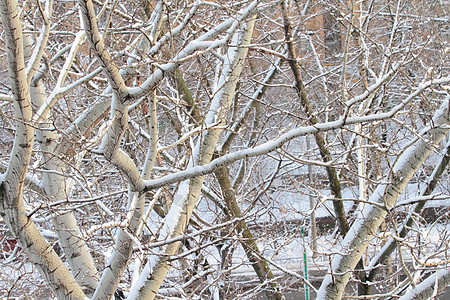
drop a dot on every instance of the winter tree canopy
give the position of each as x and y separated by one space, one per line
224 149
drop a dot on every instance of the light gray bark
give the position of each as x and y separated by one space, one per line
391 244
434 284
121 256
41 43
12 206
96 43
185 199
361 232
272 145
57 150
57 187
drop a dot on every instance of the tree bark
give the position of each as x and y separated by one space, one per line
189 191
57 187
391 244
12 206
248 242
335 184
427 288
361 232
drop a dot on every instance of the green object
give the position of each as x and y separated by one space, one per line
305 265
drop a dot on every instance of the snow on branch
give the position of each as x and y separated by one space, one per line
115 79
277 143
203 42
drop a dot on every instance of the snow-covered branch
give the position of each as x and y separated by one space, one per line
359 235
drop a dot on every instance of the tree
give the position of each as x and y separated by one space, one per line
158 148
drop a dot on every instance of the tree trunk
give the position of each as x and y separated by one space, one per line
57 187
189 191
249 243
335 184
12 206
391 244
357 239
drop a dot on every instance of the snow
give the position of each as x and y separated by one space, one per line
442 275
179 204
171 220
19 277
269 147
440 117
230 25
140 282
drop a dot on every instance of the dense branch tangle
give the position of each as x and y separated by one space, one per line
218 121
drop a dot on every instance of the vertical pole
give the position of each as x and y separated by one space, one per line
305 265
312 226
361 165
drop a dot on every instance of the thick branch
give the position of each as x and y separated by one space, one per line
249 243
12 206
361 232
97 45
189 191
391 244
335 184
426 289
